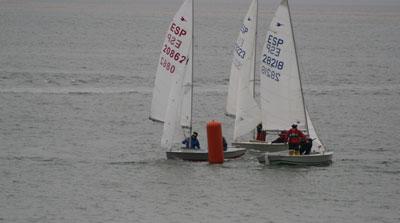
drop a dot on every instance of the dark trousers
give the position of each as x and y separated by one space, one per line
305 148
294 146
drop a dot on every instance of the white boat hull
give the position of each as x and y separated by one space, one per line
202 155
262 146
306 160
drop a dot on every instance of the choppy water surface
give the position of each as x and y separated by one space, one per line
76 144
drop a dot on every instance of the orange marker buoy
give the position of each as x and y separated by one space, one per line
214 139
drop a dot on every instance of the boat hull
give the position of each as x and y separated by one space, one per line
202 155
262 146
306 160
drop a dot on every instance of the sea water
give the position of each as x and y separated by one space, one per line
76 145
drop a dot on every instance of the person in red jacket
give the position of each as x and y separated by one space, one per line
295 136
261 134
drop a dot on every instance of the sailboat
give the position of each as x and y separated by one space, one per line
240 101
173 89
282 100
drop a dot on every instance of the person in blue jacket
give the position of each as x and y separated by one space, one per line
194 141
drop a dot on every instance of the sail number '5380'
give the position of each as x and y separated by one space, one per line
167 65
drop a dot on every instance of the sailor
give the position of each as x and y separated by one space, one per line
224 144
295 137
305 146
261 134
283 137
194 142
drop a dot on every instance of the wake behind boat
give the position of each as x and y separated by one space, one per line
173 90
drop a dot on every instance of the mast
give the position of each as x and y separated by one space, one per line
191 84
255 53
297 64
254 66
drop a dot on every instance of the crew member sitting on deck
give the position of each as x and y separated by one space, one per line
224 144
283 137
305 146
295 137
194 143
261 134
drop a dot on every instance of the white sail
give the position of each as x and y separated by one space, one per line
172 77
317 144
240 101
281 96
172 132
243 63
186 115
174 54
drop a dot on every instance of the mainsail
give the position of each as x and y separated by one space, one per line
175 60
240 101
281 94
172 92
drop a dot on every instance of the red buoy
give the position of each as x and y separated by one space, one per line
214 139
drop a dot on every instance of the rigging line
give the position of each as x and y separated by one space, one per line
297 60
192 71
255 52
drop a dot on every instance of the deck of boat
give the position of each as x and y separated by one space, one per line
202 155
314 159
262 146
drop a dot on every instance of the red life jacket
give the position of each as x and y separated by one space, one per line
295 136
284 136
